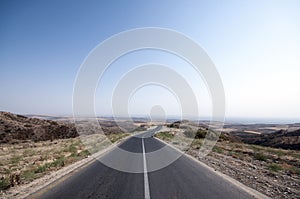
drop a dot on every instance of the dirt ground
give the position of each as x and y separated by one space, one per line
271 171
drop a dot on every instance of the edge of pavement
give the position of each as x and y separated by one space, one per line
252 192
37 187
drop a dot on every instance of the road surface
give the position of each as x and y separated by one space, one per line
184 178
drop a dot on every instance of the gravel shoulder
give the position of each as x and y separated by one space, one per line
273 172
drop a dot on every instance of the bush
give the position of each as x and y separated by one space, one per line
260 156
200 134
295 170
189 133
175 124
28 175
42 168
165 135
60 162
275 167
84 153
72 148
217 149
4 183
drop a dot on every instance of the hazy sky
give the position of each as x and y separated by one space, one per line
255 46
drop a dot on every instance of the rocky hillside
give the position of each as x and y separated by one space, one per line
280 139
259 134
17 128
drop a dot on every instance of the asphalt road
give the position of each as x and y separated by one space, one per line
184 178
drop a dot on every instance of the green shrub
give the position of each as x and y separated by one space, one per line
60 162
28 152
4 183
275 167
217 149
84 153
260 156
200 134
15 159
72 148
42 168
190 133
28 175
165 135
295 170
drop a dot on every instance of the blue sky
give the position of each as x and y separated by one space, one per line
255 46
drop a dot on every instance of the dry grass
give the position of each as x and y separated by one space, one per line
22 163
271 171
274 159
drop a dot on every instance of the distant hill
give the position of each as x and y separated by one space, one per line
202 128
280 139
260 134
16 128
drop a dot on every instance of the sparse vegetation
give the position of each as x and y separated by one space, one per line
260 156
260 167
115 137
165 135
190 133
42 168
26 161
15 159
218 149
32 160
294 170
4 183
197 143
28 152
275 167
72 148
84 153
60 162
200 134
28 175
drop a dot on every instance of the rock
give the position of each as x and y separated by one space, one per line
16 129
14 179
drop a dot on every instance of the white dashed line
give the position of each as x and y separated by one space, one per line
146 181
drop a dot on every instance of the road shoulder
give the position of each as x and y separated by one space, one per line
243 187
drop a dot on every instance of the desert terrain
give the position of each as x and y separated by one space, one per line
267 160
265 157
35 146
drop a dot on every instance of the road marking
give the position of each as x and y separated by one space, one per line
146 180
252 192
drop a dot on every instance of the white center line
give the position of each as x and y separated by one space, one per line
146 180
